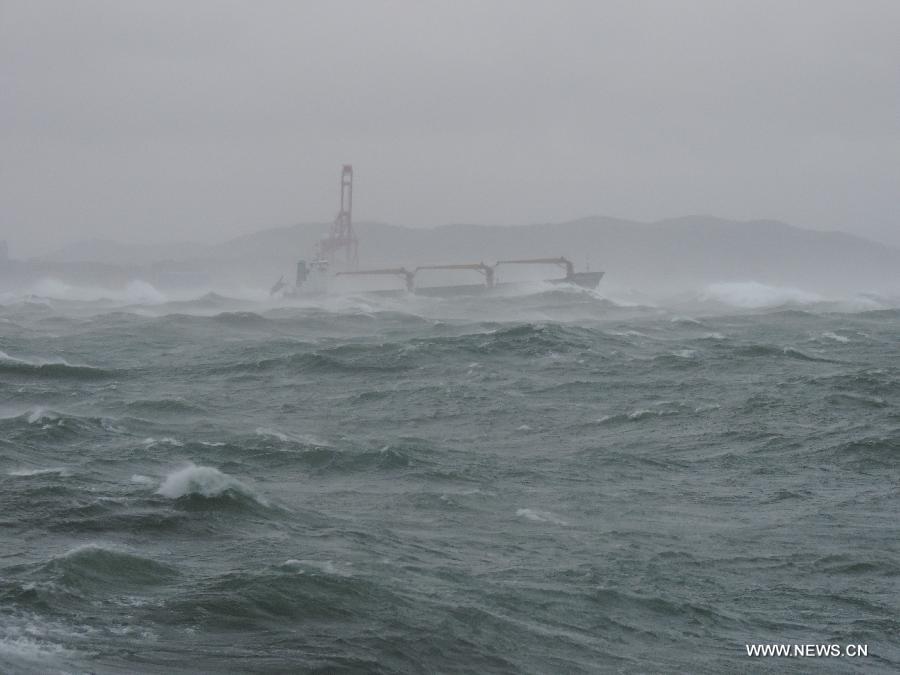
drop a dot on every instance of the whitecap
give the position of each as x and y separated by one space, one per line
166 440
272 433
204 481
41 415
305 439
539 516
62 471
834 336
317 566
42 362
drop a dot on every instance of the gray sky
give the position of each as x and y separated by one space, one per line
204 119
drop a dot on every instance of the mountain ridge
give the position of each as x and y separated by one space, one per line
671 253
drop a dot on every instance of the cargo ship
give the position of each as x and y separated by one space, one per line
337 255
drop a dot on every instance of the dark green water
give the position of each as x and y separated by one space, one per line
546 483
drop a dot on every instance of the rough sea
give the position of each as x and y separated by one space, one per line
536 481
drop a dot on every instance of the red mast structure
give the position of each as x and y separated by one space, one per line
341 236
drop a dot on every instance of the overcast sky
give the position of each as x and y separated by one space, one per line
204 119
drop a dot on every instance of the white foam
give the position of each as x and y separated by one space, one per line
834 336
305 439
754 295
167 440
41 414
205 481
39 472
39 362
272 433
136 292
27 652
539 516
302 566
91 546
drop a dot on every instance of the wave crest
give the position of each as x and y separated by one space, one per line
203 481
49 367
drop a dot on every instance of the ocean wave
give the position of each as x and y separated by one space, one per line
135 292
54 368
776 351
877 383
294 590
165 440
640 414
540 516
97 566
204 481
386 458
306 440
863 400
855 565
868 452
25 651
343 359
27 473
831 335
49 424
164 405
755 295
518 339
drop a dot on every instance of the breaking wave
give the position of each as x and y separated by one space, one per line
754 295
204 481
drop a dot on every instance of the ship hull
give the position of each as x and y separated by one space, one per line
582 279
588 280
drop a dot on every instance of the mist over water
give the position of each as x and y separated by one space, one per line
205 467
545 479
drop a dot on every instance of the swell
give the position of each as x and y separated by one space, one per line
867 453
769 351
269 597
83 574
95 567
47 424
392 356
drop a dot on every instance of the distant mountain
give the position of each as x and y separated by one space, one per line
672 254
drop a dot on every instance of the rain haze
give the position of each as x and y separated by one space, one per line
426 337
161 121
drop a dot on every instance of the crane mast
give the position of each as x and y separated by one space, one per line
341 245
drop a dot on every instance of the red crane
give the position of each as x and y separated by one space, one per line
341 236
